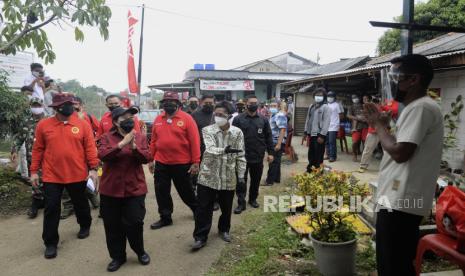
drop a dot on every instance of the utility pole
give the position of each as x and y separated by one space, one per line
141 44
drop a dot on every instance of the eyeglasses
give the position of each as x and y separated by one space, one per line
397 76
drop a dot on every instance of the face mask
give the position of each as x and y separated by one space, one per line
193 106
207 108
273 110
356 101
319 99
127 125
330 100
37 110
397 94
36 74
170 108
111 108
220 121
66 110
252 107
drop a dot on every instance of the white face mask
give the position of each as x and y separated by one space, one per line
356 100
220 121
35 73
330 100
319 99
37 110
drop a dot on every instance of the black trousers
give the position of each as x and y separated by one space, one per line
274 169
182 182
397 235
316 152
53 192
123 219
204 213
255 170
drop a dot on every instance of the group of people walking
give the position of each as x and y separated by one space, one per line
207 154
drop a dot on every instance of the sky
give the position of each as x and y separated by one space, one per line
180 33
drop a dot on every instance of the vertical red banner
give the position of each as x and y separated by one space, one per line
132 79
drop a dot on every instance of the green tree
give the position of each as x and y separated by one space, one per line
432 12
23 22
13 107
92 96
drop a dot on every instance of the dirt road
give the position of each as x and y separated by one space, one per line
21 247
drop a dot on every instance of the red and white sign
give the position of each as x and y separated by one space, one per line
220 85
132 80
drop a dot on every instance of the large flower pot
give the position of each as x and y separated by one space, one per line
335 259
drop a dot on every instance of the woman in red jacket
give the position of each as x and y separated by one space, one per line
123 187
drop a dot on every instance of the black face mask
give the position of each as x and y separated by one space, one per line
170 108
66 110
397 94
252 107
111 108
193 106
127 125
207 108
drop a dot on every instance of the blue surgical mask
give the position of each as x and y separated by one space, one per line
273 110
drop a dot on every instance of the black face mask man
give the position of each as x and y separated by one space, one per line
66 109
207 108
170 107
127 125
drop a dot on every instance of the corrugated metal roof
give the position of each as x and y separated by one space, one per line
365 69
446 43
336 66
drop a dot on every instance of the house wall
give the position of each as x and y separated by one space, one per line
260 91
452 84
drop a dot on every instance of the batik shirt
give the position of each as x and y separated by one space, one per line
278 122
218 170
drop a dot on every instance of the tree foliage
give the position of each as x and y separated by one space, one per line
94 103
23 22
432 12
13 106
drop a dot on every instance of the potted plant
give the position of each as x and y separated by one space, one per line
333 237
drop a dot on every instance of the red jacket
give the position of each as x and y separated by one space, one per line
64 151
106 123
176 142
123 175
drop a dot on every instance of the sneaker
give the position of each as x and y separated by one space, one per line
225 236
198 245
239 209
254 204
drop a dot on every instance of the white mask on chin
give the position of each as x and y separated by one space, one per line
37 110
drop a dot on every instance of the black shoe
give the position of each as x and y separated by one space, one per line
254 204
32 213
114 265
225 236
144 259
84 232
239 209
160 224
216 206
198 244
50 252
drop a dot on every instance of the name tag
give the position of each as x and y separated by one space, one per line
260 131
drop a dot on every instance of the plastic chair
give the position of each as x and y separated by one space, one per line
341 135
441 245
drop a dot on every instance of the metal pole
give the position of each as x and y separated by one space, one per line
141 43
406 39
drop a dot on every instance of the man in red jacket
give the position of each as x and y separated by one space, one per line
106 123
65 151
175 146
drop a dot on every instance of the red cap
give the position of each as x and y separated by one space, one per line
170 95
61 98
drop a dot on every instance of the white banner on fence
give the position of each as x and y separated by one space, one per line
223 85
17 66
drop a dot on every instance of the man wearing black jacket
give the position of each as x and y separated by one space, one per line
258 139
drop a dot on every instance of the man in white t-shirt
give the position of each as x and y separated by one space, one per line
410 165
36 80
334 125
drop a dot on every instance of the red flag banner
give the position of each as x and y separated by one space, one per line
132 79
